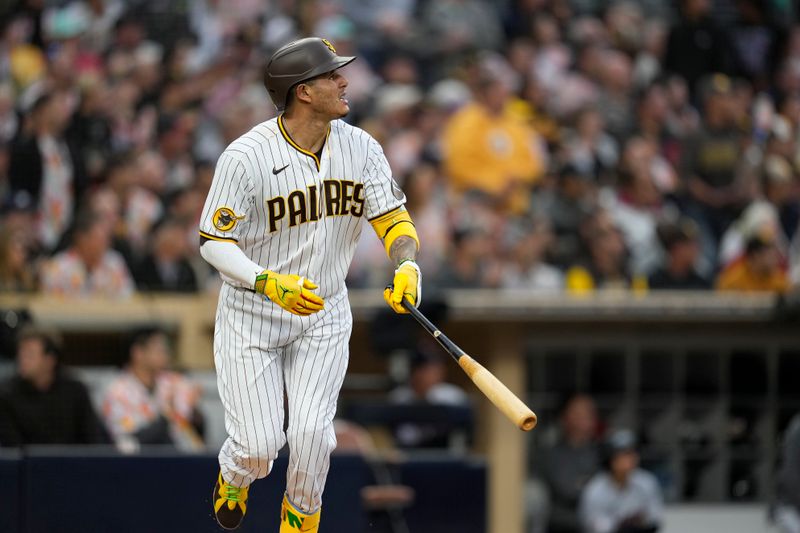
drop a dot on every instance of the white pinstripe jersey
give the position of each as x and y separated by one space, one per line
294 213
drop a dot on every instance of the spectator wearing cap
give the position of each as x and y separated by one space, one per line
42 404
622 498
711 160
679 240
490 150
760 270
567 464
44 169
89 267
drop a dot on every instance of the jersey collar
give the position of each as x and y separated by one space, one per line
297 146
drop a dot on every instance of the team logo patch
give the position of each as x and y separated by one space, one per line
327 43
225 219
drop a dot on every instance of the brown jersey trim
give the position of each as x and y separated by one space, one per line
297 146
215 238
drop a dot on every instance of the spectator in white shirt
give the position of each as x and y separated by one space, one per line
622 498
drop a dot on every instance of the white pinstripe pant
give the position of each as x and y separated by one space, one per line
251 382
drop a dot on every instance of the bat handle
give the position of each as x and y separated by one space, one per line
500 395
449 346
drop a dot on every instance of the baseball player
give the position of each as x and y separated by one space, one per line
286 207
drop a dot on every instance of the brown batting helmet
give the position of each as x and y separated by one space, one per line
297 62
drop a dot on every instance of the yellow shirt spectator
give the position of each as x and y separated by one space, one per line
759 270
492 152
740 276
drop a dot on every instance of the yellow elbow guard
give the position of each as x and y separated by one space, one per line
393 224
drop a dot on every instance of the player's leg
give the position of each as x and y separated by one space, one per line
315 368
250 381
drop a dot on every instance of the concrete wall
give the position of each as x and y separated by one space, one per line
730 518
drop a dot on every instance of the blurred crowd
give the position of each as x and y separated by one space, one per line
543 144
144 403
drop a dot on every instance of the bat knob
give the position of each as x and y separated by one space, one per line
529 423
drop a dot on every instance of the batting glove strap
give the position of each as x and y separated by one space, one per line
407 284
289 291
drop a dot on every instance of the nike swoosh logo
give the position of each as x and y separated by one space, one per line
276 171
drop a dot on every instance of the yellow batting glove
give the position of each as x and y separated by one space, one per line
407 284
290 291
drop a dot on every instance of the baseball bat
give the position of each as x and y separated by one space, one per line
494 389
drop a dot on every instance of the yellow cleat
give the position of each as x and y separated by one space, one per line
230 504
294 520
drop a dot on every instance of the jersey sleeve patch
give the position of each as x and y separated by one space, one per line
225 219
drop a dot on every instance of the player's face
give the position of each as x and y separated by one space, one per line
329 97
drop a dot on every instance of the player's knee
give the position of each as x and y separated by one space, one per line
323 440
264 448
259 466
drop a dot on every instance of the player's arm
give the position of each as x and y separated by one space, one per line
230 260
394 226
225 216
399 236
289 291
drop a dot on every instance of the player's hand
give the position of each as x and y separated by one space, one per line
407 284
290 291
